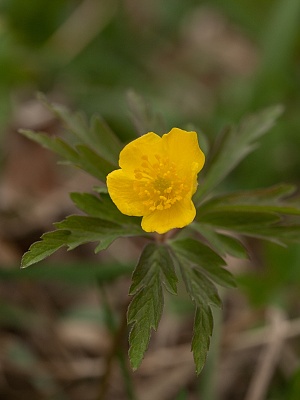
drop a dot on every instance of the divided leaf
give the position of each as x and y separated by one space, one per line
155 268
50 243
76 230
220 242
203 328
80 156
103 207
191 252
97 135
203 294
262 213
237 144
144 118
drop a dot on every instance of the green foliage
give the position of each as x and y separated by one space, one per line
236 143
257 213
195 253
201 268
154 270
198 255
203 328
96 147
74 231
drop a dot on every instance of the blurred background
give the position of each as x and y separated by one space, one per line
205 63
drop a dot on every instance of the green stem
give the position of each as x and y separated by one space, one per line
118 333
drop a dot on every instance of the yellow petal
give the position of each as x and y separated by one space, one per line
183 149
131 156
179 215
120 189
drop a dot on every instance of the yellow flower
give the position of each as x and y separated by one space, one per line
157 179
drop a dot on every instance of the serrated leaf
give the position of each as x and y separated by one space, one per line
273 195
97 135
106 142
195 253
155 259
144 313
203 327
239 142
50 243
102 208
154 268
76 230
237 219
86 229
258 202
221 243
82 156
74 122
200 289
143 116
280 234
93 163
53 143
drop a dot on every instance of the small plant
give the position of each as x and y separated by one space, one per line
190 227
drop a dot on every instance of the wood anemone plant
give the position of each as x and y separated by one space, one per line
188 226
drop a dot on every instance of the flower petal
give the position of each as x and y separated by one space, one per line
179 215
131 156
183 149
120 189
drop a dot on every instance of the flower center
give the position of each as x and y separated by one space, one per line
158 184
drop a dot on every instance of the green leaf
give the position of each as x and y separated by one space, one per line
267 196
280 234
203 327
154 269
154 259
106 142
237 144
203 294
98 136
143 116
270 200
102 208
50 243
76 230
221 243
86 229
200 289
93 163
82 156
262 213
76 123
236 220
52 143
194 253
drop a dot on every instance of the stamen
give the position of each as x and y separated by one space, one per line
158 185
